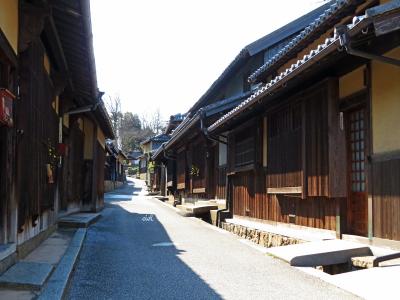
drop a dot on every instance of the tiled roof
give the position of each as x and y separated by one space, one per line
158 138
239 60
325 18
208 110
329 45
286 31
158 151
262 44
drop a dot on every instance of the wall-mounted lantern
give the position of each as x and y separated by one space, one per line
6 107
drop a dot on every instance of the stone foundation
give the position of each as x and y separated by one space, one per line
263 238
109 185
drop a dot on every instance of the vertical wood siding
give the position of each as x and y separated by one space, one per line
220 190
317 144
39 124
72 169
250 200
181 167
100 160
199 161
386 198
284 148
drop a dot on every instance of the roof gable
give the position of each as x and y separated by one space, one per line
327 16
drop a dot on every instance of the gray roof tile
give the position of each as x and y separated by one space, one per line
324 17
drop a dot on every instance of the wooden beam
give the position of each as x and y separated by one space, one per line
8 51
285 190
304 191
336 144
199 191
32 22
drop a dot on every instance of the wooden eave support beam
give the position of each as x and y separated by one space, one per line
32 22
58 51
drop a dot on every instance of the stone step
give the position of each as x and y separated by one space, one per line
195 210
79 220
323 253
161 198
214 216
26 275
364 262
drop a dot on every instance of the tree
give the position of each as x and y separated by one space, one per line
129 128
153 122
113 106
131 132
130 121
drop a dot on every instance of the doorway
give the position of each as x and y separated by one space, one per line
357 143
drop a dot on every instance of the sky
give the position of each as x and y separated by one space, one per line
164 54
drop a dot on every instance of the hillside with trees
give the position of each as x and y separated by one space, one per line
130 128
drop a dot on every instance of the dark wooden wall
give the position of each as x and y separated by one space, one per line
251 200
316 144
220 187
298 155
71 185
385 184
181 167
198 153
38 125
8 79
285 148
100 160
243 146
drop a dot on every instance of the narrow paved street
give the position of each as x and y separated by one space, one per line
141 249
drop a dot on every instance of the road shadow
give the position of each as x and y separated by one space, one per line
128 255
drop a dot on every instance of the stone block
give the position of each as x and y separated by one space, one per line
364 262
26 275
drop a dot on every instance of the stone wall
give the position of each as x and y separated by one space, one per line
109 185
263 238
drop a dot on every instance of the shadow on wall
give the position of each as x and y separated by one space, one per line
130 256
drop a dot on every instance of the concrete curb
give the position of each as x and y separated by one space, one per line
166 204
59 279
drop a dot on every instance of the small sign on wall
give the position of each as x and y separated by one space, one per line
6 107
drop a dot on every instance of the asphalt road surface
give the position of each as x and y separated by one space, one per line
142 249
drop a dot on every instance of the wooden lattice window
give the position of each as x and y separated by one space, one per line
181 167
284 147
244 148
357 140
198 167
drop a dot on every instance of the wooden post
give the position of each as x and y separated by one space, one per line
369 164
337 175
303 149
339 230
94 172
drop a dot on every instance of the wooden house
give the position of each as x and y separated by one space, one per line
114 168
317 145
53 134
8 93
165 166
201 159
149 146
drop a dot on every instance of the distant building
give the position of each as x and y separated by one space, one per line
149 146
115 166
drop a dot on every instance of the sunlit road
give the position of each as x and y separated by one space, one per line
142 249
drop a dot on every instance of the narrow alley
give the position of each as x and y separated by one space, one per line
142 249
199 149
